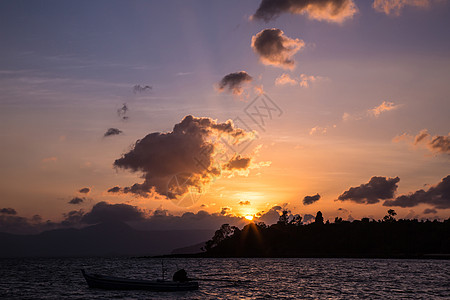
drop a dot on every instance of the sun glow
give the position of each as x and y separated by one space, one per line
249 217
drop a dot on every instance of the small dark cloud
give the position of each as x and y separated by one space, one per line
311 199
438 196
112 131
276 49
238 163
244 202
85 190
175 162
328 10
115 189
307 218
429 211
8 211
105 212
141 88
76 200
437 144
225 210
122 112
233 82
378 188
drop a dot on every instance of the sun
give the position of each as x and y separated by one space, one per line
249 217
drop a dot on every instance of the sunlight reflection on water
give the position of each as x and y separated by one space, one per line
288 278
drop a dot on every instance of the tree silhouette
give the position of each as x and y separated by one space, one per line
390 217
319 218
284 218
221 234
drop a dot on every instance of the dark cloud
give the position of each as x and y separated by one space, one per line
72 218
85 190
76 200
244 202
274 48
112 131
162 220
104 212
436 144
311 199
378 188
328 10
238 163
429 211
270 217
140 88
8 211
225 211
16 224
233 82
115 189
307 218
122 112
175 162
440 144
437 196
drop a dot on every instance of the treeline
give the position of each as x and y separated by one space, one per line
360 238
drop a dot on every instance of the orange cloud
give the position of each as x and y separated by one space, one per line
50 159
303 80
385 106
395 6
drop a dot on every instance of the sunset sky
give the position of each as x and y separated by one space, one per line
337 99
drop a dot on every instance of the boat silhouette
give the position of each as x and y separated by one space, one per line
118 283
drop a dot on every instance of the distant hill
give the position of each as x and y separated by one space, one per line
197 248
105 239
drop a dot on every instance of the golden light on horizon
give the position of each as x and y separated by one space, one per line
249 217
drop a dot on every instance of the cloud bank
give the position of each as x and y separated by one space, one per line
378 188
323 10
276 49
437 196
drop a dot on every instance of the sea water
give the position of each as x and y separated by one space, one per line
242 278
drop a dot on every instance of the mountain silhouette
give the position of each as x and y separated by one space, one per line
104 239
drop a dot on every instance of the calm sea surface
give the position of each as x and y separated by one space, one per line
302 278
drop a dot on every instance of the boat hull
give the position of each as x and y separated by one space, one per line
116 283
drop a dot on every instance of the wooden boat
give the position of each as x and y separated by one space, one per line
117 283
